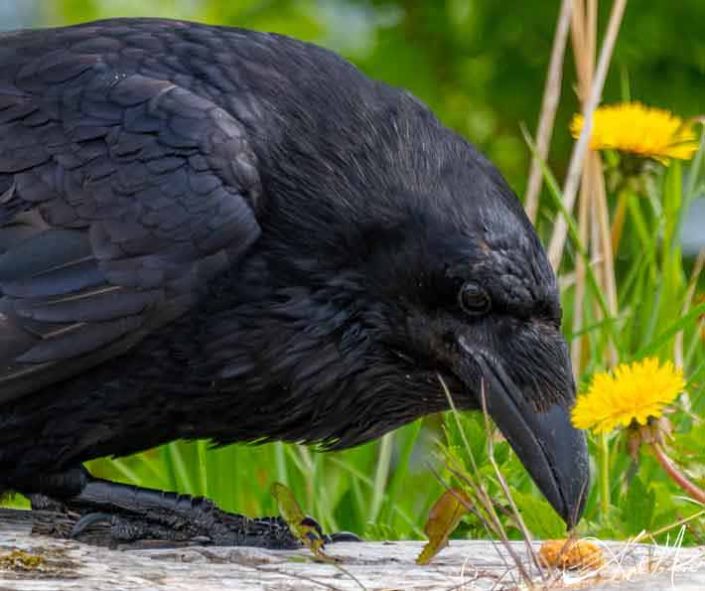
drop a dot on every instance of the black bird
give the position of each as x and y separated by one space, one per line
209 232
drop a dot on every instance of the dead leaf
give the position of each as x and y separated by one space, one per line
443 518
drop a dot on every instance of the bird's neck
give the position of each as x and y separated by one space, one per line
300 363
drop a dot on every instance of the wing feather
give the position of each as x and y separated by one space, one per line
121 196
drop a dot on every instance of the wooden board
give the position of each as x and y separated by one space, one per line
465 565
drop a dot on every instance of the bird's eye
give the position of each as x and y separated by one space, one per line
473 299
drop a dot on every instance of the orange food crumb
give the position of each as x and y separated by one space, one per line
570 554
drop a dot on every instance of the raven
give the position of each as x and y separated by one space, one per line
209 232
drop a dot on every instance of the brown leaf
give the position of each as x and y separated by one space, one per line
444 517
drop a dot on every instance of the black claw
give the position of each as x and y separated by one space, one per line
342 536
90 519
309 521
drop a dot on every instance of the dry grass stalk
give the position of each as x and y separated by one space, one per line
485 506
593 212
576 346
584 57
549 106
526 535
601 221
620 214
577 159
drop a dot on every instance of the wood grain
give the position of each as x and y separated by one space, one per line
464 565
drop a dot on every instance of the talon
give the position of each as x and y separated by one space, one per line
87 520
342 536
309 521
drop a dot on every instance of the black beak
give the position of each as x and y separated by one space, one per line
551 449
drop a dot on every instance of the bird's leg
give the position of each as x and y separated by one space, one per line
128 513
139 513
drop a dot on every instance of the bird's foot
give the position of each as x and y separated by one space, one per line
204 524
108 513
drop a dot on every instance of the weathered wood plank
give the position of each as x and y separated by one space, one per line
464 565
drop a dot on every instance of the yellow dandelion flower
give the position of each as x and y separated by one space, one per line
634 392
637 129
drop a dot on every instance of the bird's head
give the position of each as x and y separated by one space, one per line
469 295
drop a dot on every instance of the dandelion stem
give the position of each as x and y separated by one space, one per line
676 475
604 476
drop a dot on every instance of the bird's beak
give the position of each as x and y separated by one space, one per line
551 449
